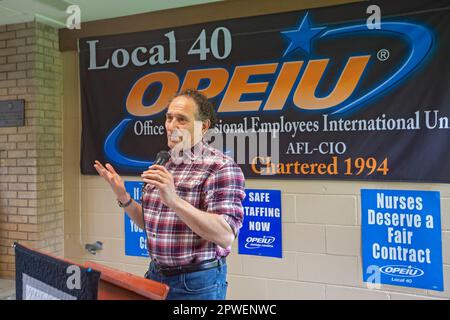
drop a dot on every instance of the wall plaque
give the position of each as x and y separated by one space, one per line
12 113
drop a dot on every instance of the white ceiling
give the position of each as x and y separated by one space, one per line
53 12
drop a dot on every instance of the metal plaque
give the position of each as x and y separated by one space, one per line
12 113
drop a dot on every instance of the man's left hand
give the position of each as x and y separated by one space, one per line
160 177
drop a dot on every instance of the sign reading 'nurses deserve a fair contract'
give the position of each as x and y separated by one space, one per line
401 238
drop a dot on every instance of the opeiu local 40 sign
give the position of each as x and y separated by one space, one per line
328 97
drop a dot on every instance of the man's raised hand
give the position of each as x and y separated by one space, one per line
110 175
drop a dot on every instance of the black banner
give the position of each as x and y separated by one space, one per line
42 277
357 91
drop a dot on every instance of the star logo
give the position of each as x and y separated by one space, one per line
302 37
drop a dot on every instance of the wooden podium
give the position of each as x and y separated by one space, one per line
115 284
118 285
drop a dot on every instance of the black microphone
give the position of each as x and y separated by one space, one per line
161 158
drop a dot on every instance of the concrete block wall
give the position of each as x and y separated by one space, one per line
31 182
321 243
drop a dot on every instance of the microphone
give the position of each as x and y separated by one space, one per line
161 158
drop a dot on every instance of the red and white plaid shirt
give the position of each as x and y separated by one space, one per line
211 182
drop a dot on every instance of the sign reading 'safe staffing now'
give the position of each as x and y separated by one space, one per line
314 94
401 238
260 234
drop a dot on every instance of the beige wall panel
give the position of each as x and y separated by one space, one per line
246 288
274 268
446 247
288 207
302 237
101 201
346 293
322 209
328 269
235 261
445 214
400 296
294 290
138 270
72 222
102 225
343 240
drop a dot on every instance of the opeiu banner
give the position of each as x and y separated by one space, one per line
313 94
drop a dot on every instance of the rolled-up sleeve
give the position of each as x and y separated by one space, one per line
225 191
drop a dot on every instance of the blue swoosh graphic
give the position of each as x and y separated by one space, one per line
420 39
113 154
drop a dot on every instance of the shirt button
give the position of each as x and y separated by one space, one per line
154 235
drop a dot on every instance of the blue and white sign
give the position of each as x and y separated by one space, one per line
401 238
260 234
135 238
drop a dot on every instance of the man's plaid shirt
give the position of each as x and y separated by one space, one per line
211 182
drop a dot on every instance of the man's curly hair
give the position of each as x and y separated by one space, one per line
205 107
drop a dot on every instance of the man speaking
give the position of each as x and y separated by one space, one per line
191 206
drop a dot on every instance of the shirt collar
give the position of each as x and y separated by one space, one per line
193 153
